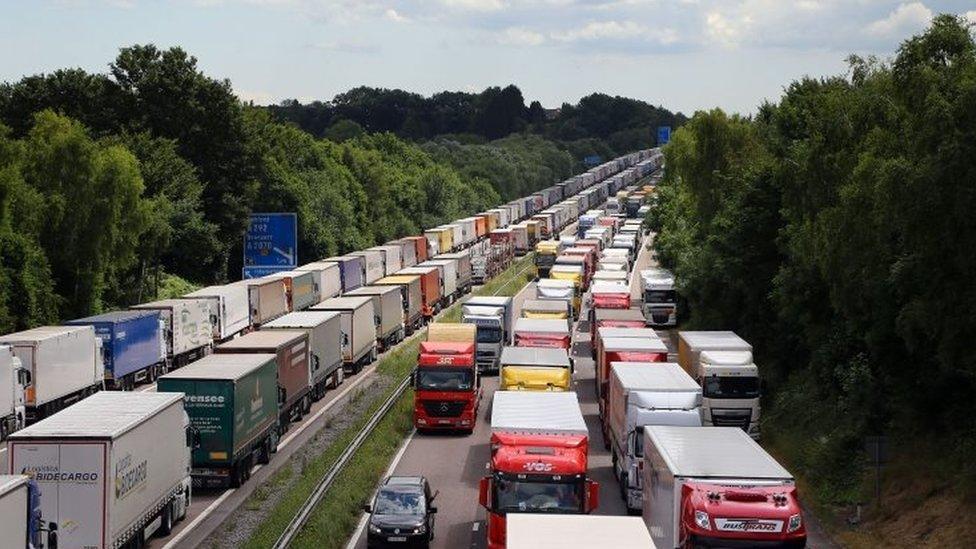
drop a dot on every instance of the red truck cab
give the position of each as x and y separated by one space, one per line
741 516
538 463
447 387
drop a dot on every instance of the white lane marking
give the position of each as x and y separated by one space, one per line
151 387
193 524
354 540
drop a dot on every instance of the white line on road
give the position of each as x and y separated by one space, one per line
193 524
354 540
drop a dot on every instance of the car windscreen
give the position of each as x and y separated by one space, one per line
399 501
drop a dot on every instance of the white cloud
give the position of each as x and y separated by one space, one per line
519 36
904 20
725 31
970 16
475 5
395 16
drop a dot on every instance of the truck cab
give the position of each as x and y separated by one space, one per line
14 379
492 318
660 299
447 387
538 461
545 257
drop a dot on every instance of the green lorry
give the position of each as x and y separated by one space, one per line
232 401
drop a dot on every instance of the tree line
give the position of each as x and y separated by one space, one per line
598 124
134 184
833 230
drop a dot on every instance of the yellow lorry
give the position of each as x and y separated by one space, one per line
535 369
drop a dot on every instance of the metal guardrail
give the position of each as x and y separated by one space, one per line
301 518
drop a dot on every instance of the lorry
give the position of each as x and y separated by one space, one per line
493 316
358 324
534 531
439 240
324 346
722 363
534 332
448 270
538 462
609 295
580 261
392 258
548 309
187 327
373 268
267 299
300 288
660 299
230 312
545 257
614 318
13 379
290 348
549 289
352 271
232 402
430 289
464 271
611 276
574 274
63 364
388 307
716 487
488 259
113 469
623 348
21 518
328 277
411 297
640 394
535 369
446 383
133 346
420 248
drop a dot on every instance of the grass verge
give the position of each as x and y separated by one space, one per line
508 283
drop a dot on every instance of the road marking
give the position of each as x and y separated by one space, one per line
354 540
151 387
193 524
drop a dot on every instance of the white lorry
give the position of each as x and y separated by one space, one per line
229 308
189 333
660 305
358 324
64 365
640 394
112 469
324 345
545 531
493 318
721 362
13 379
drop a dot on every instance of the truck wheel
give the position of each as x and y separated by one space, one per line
235 476
166 520
307 405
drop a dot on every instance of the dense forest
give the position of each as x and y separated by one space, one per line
832 230
598 125
134 184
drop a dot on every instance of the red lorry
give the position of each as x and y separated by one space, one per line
538 464
430 289
447 388
542 332
614 318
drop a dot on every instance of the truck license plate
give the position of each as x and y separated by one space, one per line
397 538
444 421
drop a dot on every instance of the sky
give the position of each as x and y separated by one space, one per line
685 55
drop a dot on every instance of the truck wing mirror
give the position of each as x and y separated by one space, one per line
483 486
592 495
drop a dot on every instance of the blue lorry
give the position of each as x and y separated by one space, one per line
133 346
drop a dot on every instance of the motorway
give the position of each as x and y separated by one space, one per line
454 463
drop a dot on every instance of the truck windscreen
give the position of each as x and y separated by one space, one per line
659 296
444 379
731 387
527 496
489 334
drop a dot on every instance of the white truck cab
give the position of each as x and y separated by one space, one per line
13 379
660 305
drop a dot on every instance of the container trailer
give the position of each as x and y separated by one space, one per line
105 478
63 365
358 323
388 307
372 265
133 346
549 531
324 344
187 327
411 297
267 298
232 402
230 312
291 351
329 277
300 288
716 487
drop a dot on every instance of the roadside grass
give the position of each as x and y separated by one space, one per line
337 515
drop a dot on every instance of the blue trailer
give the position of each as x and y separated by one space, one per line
133 346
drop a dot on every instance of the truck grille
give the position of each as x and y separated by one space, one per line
738 420
444 408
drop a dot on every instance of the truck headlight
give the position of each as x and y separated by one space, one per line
701 519
795 523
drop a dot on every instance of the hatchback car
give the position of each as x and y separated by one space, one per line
401 514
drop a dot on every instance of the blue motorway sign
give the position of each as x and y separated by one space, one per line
663 135
592 160
270 244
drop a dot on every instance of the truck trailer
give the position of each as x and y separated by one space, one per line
358 322
388 306
630 348
21 518
230 312
133 346
535 332
324 344
548 531
64 364
641 394
113 469
411 297
232 402
538 462
464 271
328 277
186 323
716 487
430 289
300 287
535 369
267 298
14 378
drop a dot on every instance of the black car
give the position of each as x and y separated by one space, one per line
401 514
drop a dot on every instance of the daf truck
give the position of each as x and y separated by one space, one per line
722 363
660 299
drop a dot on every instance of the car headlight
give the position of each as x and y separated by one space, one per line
795 523
701 519
373 529
420 529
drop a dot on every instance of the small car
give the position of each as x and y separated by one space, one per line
401 514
